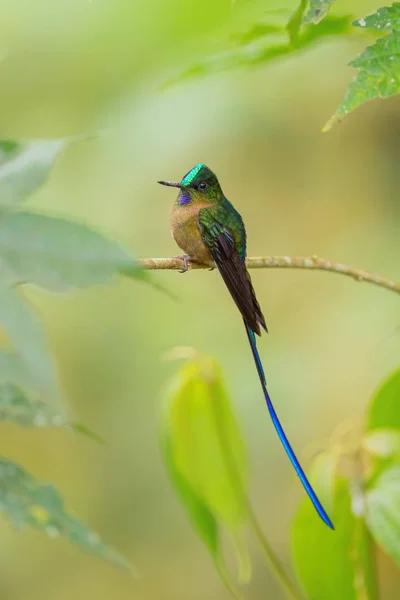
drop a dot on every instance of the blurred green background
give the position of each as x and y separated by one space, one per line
79 66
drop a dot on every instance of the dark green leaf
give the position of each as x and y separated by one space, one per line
58 254
383 511
29 342
332 564
379 64
317 11
383 411
24 166
26 501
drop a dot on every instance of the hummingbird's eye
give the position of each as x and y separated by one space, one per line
202 185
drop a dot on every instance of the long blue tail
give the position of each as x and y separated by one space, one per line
317 504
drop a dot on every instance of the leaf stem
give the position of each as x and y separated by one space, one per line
223 573
365 572
272 561
360 573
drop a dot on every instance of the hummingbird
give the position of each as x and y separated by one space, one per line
208 228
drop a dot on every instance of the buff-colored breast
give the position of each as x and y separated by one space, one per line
186 233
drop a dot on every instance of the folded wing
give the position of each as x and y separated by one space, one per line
220 242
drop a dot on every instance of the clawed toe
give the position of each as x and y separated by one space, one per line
186 259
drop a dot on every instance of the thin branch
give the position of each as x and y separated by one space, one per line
281 262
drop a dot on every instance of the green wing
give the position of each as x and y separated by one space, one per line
218 234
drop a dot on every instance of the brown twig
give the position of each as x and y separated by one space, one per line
281 262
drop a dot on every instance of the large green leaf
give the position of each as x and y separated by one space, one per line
332 564
24 166
317 11
379 64
26 501
383 511
383 411
29 342
57 254
205 456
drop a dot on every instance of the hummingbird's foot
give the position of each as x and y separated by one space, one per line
186 259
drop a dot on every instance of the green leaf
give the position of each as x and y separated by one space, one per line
205 457
26 501
24 166
257 31
13 370
87 432
18 402
57 253
30 345
206 442
379 64
383 511
387 17
203 520
383 411
332 564
19 406
294 24
255 47
382 442
317 11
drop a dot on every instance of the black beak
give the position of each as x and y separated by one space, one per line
170 184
